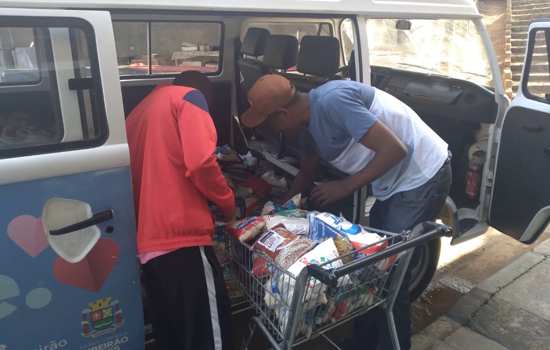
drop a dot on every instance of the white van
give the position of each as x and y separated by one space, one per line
70 70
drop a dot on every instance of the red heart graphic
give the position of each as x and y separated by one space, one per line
28 233
92 272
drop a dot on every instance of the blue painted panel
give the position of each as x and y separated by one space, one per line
47 303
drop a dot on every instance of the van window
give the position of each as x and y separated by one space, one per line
147 48
538 74
49 90
18 56
446 47
347 40
296 29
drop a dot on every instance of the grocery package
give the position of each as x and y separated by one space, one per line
323 253
291 204
298 226
249 160
282 287
344 247
294 251
294 213
270 244
247 229
227 154
274 180
326 225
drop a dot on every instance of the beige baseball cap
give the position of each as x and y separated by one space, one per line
270 93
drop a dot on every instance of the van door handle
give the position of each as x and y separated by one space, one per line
533 128
97 218
547 151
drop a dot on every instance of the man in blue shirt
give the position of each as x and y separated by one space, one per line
375 139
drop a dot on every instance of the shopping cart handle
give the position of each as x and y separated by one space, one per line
422 233
325 276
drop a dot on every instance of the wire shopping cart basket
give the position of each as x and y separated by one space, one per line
291 310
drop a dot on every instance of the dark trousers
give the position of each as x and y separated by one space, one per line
402 212
188 300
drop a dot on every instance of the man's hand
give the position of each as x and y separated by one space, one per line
329 192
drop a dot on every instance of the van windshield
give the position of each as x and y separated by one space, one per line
445 47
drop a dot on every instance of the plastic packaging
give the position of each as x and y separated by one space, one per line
247 229
292 204
274 180
271 244
298 226
326 225
249 160
293 251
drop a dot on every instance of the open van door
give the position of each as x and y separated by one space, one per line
520 204
68 270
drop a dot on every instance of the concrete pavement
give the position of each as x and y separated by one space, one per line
508 311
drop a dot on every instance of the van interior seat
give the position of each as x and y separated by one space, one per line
250 64
318 60
281 53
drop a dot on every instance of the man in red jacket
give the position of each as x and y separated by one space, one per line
175 174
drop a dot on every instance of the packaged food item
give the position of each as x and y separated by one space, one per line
298 226
274 180
324 252
292 252
326 225
249 160
260 267
226 154
273 241
271 244
247 229
282 285
294 213
291 204
344 247
269 208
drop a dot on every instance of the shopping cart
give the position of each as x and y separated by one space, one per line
291 310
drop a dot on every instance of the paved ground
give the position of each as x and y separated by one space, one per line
510 310
461 268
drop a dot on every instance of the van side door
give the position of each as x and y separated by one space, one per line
68 270
520 205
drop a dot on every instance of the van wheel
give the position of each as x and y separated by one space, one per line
423 266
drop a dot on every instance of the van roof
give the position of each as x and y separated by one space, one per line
377 8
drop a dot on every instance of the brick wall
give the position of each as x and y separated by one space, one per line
496 16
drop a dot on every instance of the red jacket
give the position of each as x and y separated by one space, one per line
175 173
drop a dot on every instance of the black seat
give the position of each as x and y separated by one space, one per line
250 65
318 60
281 53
